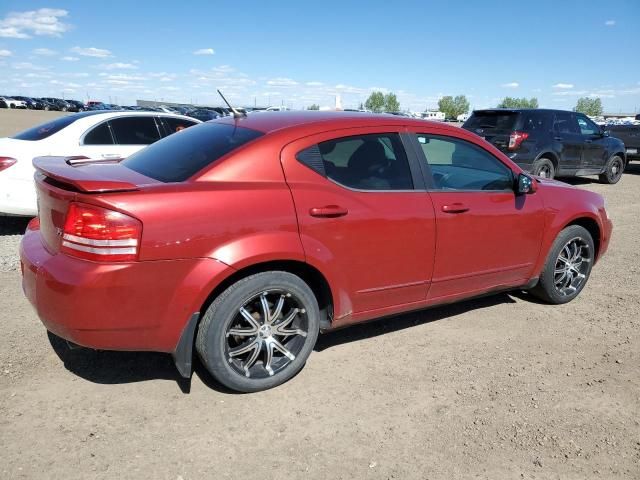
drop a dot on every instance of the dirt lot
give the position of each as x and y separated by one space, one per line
495 388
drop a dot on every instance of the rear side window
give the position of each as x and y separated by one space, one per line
493 120
173 124
46 129
180 156
100 135
565 122
135 130
536 122
363 162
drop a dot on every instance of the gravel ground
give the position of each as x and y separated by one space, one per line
501 387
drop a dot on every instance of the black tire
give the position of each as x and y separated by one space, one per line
64 109
543 167
613 170
264 366
550 287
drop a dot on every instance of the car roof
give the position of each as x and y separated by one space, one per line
269 122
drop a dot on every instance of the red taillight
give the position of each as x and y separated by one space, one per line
99 234
516 139
34 224
6 162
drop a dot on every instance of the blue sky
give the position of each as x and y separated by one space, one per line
297 53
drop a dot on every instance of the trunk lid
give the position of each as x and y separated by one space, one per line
62 180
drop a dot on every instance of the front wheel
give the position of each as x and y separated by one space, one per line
568 266
259 332
613 170
543 167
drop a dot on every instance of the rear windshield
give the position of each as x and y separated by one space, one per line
492 120
46 129
183 154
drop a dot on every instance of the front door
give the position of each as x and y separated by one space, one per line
568 142
594 151
487 236
362 222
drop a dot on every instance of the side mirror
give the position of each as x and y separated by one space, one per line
526 184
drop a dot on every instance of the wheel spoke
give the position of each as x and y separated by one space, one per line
249 318
251 360
284 323
267 363
242 332
278 310
244 348
266 315
276 344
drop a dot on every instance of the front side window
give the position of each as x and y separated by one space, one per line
587 127
135 130
459 165
363 162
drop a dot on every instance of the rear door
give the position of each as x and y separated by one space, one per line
594 148
568 142
363 215
487 236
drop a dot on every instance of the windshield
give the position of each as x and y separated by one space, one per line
184 153
45 130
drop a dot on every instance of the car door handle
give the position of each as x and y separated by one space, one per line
455 208
329 211
588 140
559 139
111 155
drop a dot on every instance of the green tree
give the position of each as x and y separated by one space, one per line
391 103
511 102
589 106
375 102
452 107
313 107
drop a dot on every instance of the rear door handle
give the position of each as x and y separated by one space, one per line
328 211
588 140
455 208
111 155
559 139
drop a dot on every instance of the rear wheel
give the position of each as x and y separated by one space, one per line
568 266
259 332
543 167
613 170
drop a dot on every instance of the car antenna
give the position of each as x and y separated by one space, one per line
236 113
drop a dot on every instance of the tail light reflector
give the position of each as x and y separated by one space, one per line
516 139
99 234
6 162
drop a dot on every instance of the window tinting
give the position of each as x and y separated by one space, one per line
587 127
536 122
46 129
173 125
178 157
100 135
135 130
565 122
497 120
459 165
363 162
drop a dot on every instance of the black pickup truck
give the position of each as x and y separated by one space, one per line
630 136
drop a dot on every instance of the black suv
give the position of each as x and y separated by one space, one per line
551 143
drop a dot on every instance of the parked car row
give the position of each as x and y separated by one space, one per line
46 103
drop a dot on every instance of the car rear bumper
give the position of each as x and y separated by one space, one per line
111 306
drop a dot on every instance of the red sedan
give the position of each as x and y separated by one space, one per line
246 237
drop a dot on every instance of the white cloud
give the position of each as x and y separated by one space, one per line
70 59
510 85
204 51
27 66
314 84
91 52
45 52
118 66
565 93
45 21
282 82
5 53
563 86
610 23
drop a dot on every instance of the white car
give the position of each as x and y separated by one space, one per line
13 103
95 135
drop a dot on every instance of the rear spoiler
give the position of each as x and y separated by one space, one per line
90 175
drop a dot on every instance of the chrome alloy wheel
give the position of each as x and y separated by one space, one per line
572 266
266 334
545 172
